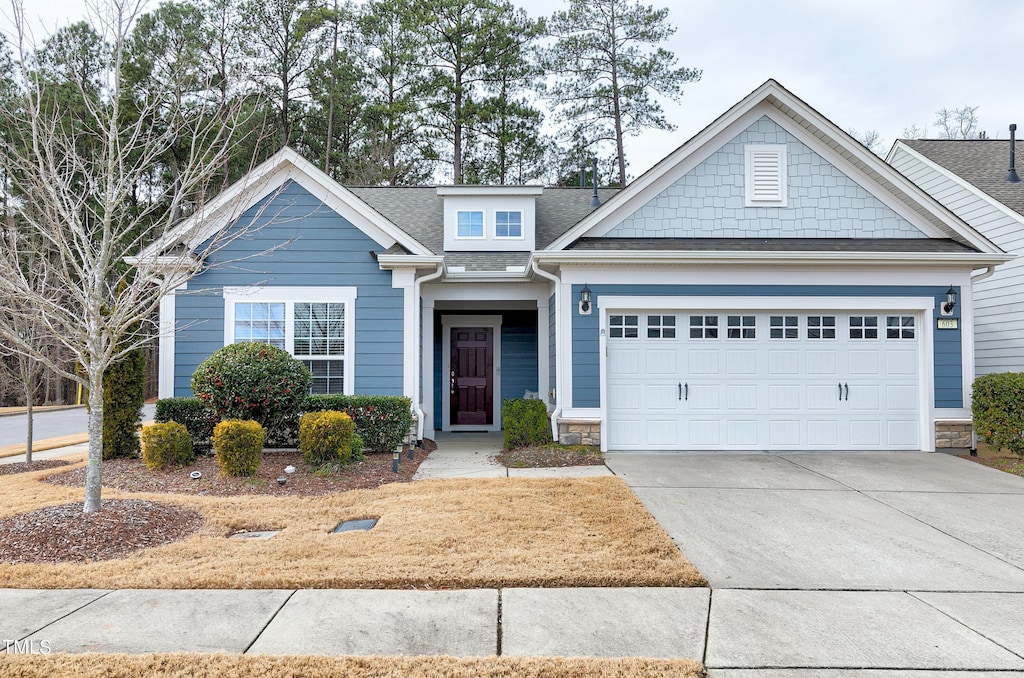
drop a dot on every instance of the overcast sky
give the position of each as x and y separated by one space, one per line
865 64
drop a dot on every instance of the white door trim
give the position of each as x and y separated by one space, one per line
447 323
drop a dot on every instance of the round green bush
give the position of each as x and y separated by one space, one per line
238 445
166 444
252 381
326 437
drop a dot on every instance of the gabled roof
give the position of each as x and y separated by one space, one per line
983 163
784 107
261 182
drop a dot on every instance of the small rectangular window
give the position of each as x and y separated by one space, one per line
471 224
863 327
784 327
261 322
821 327
508 224
740 327
703 327
661 327
624 326
899 327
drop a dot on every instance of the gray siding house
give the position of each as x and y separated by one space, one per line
969 178
770 285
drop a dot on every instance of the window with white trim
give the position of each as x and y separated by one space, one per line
624 326
765 175
741 327
899 327
661 327
508 224
784 327
470 224
863 327
821 327
703 327
314 324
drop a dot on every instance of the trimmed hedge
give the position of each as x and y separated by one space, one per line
381 421
191 413
124 395
166 444
526 422
326 436
238 445
997 406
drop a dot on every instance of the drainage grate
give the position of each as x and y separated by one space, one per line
258 534
354 525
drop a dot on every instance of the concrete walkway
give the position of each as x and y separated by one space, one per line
471 455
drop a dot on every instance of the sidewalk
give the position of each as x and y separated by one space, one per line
470 455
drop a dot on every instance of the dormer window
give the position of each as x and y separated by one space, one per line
470 224
508 224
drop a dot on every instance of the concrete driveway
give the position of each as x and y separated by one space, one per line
846 560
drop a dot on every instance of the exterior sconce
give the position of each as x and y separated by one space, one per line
950 303
585 300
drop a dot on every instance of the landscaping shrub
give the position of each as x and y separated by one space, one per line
191 413
357 448
252 381
997 405
326 437
166 444
381 421
238 445
526 422
123 396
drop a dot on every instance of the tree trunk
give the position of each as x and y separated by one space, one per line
28 424
93 482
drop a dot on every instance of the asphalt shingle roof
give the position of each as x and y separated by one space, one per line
981 162
772 244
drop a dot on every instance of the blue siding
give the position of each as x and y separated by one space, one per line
318 248
519 362
586 344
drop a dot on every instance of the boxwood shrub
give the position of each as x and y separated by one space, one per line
238 445
526 422
166 444
997 406
191 413
326 436
381 421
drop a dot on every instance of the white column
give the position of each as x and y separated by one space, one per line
166 339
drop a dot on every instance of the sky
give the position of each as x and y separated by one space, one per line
879 65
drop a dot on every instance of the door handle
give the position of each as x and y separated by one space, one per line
847 387
686 390
840 391
680 387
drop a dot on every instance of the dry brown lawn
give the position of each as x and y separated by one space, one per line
432 534
252 666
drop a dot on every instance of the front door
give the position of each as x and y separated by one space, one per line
471 376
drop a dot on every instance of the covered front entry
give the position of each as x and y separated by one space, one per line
471 376
764 379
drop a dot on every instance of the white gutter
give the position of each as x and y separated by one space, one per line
987 273
558 359
660 257
417 352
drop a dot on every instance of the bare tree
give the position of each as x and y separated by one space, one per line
915 132
81 211
957 123
870 138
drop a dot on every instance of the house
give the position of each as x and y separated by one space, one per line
969 177
770 285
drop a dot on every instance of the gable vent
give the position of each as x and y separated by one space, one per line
766 175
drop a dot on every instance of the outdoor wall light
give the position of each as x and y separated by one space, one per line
585 300
950 303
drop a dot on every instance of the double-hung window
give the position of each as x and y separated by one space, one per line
314 324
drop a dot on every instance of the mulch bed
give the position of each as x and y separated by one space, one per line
22 467
62 534
545 456
1014 465
132 475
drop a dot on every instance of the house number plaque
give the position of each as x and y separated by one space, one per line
947 323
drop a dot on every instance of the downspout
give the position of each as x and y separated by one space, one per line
989 270
417 353
558 335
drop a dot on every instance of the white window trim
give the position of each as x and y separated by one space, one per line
779 199
522 226
483 225
290 296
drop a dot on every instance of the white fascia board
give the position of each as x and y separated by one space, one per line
489 190
658 257
899 146
397 261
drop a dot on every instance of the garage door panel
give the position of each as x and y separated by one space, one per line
662 433
741 432
661 361
705 433
863 362
703 361
785 433
783 363
864 397
624 361
901 362
741 397
661 396
624 397
903 434
822 362
823 397
741 362
901 398
625 434
704 397
785 397
865 433
823 433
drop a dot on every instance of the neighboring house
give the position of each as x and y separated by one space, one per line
771 284
969 177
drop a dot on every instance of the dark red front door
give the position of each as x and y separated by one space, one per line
471 373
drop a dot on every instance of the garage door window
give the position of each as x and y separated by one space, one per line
863 327
741 327
899 327
623 326
821 327
784 327
661 327
703 327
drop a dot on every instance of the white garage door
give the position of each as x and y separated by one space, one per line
774 380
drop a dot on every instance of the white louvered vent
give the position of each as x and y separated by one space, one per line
765 175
